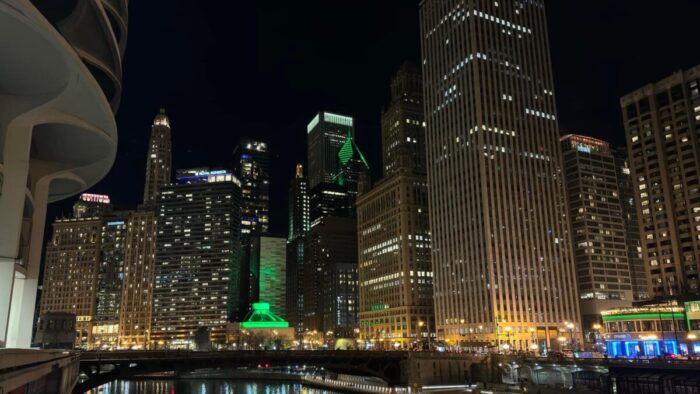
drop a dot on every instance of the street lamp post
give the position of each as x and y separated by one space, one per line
571 326
508 330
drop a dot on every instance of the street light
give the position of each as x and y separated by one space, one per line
561 340
570 326
421 324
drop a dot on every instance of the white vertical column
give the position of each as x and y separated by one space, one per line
15 140
21 327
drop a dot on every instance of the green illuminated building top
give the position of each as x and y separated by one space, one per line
262 317
350 149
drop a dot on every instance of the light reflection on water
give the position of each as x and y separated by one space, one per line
211 386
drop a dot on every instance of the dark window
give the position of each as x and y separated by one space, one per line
644 105
662 99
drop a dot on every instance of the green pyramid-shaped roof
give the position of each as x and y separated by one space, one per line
262 317
350 150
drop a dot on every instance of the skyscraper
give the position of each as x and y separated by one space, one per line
353 172
330 276
326 134
253 160
299 224
395 275
661 126
110 277
597 227
638 273
403 123
273 273
72 267
197 257
137 287
159 160
501 251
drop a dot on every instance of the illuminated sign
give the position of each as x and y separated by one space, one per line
98 198
83 318
116 223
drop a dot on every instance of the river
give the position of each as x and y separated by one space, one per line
204 386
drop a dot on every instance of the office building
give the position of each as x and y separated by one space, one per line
353 173
159 159
197 258
501 254
330 277
640 288
299 224
597 228
253 161
70 273
68 65
110 276
661 122
395 274
137 286
326 134
273 273
403 123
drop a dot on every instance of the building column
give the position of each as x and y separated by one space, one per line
7 280
15 139
21 327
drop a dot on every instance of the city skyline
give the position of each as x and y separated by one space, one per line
591 103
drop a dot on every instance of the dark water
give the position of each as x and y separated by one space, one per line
208 386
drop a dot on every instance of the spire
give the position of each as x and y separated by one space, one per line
349 150
161 119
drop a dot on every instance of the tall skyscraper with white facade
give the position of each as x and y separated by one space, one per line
504 272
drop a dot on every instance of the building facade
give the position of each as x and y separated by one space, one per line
638 274
661 126
299 224
330 277
403 123
502 261
253 160
597 227
58 135
326 134
395 273
273 273
137 286
196 283
110 277
159 159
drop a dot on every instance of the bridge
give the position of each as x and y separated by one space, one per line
38 371
398 368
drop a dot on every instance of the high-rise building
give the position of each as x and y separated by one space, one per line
330 276
137 285
353 172
70 65
197 257
661 126
253 160
299 224
501 254
403 123
159 159
110 277
597 228
72 267
273 273
326 134
638 274
395 274
327 199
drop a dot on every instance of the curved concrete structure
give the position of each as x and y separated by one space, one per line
58 135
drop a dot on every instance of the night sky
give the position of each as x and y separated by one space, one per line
231 69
